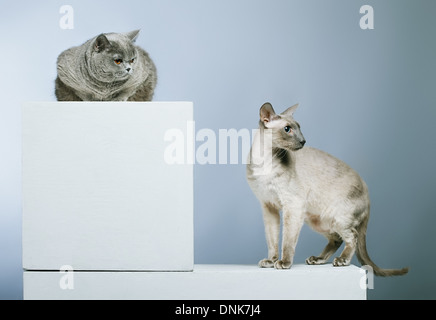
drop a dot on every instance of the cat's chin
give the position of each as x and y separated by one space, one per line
290 149
121 75
296 149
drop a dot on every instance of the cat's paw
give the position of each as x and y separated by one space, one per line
266 263
315 260
280 264
340 262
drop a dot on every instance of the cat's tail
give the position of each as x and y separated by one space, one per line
364 259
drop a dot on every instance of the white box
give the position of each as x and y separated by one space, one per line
97 191
206 282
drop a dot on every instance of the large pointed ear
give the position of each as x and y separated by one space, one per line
132 35
266 112
290 111
101 43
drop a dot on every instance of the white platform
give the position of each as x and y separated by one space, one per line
97 193
206 282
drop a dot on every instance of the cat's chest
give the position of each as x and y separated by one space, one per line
108 93
272 188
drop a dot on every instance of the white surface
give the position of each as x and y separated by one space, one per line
97 193
206 282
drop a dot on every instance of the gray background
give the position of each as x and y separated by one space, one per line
366 96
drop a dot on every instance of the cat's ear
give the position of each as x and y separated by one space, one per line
101 43
267 112
132 35
290 111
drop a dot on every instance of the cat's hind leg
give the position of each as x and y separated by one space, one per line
64 93
334 242
350 238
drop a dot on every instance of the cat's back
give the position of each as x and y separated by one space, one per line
317 156
148 64
68 63
312 162
145 78
65 57
72 53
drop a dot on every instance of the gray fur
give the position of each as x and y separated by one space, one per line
307 185
89 72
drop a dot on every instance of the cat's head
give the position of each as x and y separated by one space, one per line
286 133
114 56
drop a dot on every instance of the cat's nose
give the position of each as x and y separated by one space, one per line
303 142
128 69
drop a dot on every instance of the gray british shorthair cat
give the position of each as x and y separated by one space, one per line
108 67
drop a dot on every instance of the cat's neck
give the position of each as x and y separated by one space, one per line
264 157
284 157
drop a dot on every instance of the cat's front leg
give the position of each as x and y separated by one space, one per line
271 219
292 223
119 98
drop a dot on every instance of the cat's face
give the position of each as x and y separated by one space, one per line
286 133
114 57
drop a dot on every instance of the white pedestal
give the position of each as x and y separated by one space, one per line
206 282
97 192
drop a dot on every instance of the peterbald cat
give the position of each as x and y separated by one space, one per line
307 185
108 67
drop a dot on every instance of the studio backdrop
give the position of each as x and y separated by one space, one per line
363 72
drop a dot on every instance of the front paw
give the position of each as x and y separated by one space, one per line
280 264
266 263
315 260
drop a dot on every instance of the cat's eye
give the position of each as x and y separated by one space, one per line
287 129
118 61
133 60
